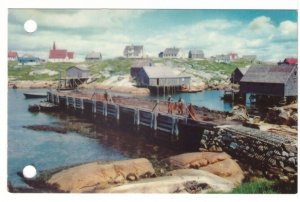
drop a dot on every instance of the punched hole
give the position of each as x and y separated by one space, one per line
29 171
30 26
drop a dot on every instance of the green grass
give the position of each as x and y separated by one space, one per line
256 186
119 66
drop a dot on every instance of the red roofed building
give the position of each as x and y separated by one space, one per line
291 61
12 56
233 56
60 55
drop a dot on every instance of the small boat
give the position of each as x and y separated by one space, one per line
35 95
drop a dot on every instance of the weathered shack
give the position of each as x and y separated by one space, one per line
93 56
78 72
161 76
238 74
196 54
271 80
138 65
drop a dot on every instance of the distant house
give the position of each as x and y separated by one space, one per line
238 74
138 65
222 59
161 54
12 56
161 76
78 72
250 58
28 59
93 56
173 53
133 51
196 54
291 61
270 80
60 55
233 56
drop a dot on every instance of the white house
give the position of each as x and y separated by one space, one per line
222 59
173 53
133 51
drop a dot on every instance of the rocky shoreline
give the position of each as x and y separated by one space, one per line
22 84
198 172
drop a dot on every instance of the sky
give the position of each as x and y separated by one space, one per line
269 34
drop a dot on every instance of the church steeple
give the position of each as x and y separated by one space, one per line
54 47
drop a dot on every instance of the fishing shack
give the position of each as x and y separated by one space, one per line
238 74
75 76
279 82
138 65
162 79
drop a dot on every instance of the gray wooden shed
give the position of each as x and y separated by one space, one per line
271 80
78 72
161 76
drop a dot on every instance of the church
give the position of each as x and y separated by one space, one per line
60 55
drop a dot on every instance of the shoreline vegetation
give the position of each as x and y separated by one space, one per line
113 74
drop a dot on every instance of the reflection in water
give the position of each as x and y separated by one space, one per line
87 140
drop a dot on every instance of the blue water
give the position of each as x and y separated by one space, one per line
48 150
209 98
45 150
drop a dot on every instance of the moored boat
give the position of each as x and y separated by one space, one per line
35 95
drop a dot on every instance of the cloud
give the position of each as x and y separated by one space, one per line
109 31
74 19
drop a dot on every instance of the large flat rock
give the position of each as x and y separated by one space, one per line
179 181
92 176
219 164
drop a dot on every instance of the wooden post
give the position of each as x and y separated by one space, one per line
155 121
67 102
48 96
137 116
82 105
94 106
118 112
105 108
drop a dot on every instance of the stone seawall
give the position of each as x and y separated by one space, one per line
274 155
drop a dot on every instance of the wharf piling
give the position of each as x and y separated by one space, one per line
128 114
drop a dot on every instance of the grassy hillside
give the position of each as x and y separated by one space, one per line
118 66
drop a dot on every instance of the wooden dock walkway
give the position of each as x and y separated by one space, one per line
136 111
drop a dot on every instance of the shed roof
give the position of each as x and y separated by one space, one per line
243 70
142 63
82 67
94 54
161 72
171 51
268 73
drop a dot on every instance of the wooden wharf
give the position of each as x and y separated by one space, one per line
136 111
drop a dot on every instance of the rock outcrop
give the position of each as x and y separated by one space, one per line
178 181
286 115
239 113
219 164
92 176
